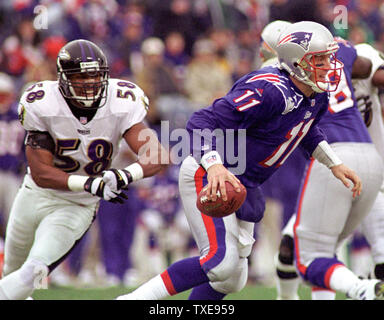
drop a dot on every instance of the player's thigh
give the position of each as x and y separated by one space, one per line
20 229
323 210
58 232
367 163
9 186
373 228
188 194
216 238
207 231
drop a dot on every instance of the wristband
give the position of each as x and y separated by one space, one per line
136 171
325 155
209 159
76 183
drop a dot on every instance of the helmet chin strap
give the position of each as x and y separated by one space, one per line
317 87
304 78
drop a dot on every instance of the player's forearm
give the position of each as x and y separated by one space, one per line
325 155
378 78
153 160
44 174
49 177
152 169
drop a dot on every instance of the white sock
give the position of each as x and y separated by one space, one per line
323 294
153 289
287 288
342 279
12 287
20 284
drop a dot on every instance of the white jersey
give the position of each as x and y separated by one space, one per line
83 149
365 86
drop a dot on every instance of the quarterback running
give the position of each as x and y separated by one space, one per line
279 107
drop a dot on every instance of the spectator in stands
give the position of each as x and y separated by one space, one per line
206 79
225 47
12 159
176 55
179 15
156 76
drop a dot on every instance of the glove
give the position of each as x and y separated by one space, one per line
117 179
97 187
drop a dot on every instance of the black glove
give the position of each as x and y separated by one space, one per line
98 187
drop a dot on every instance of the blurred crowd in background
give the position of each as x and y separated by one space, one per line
184 54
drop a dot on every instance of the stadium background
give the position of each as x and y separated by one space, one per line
183 54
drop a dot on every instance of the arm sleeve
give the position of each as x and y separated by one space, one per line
40 140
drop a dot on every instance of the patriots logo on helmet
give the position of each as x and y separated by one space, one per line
301 38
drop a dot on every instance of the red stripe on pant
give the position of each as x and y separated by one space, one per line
302 268
208 221
168 283
328 274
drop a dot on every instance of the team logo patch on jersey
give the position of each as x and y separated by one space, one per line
292 103
145 101
21 114
300 38
307 114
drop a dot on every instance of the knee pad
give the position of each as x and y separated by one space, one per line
224 270
379 271
286 250
236 281
284 260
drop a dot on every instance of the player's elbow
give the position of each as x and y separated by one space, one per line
40 180
45 180
378 78
361 68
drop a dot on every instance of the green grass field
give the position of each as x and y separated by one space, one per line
250 292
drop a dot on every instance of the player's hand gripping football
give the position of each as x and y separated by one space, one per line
344 174
217 175
98 187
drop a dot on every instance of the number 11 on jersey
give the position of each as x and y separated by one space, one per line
299 131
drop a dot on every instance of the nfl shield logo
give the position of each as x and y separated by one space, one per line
83 120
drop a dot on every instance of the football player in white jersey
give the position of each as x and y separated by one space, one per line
74 126
373 225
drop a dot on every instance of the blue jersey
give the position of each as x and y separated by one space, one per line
12 134
277 118
343 121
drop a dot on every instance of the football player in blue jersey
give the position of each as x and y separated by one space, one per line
278 107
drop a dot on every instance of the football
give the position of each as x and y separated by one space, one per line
220 208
